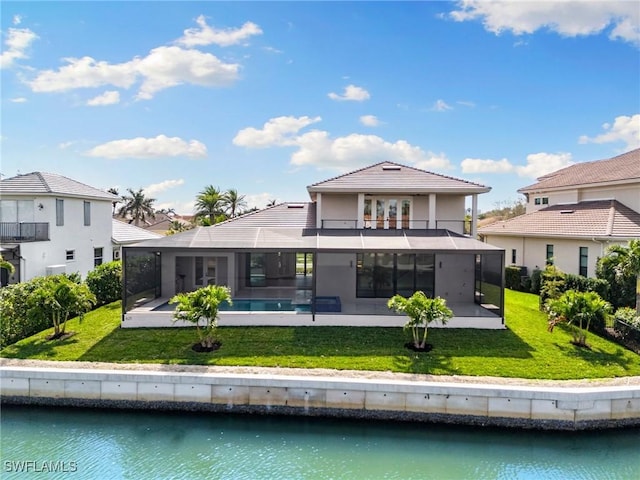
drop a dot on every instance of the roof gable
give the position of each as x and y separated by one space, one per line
621 169
42 183
394 177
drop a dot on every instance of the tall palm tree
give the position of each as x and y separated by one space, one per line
235 203
210 203
137 207
114 191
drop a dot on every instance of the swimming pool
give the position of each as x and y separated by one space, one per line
251 305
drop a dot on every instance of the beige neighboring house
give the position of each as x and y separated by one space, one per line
573 215
334 260
124 233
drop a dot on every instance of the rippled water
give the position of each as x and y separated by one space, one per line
113 444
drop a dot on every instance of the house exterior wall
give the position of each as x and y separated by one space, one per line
531 252
73 235
450 211
454 277
340 207
628 195
336 276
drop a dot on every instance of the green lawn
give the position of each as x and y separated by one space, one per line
524 350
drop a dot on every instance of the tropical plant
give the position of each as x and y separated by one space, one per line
58 298
630 267
105 281
114 204
578 310
235 203
176 226
7 265
200 307
137 207
210 204
421 311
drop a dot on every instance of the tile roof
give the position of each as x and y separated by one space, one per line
42 183
623 168
394 177
123 233
600 218
292 227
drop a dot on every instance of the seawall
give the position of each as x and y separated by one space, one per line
392 397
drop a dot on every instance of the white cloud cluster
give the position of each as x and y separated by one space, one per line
317 148
156 188
107 98
163 67
566 17
206 35
351 93
624 129
369 120
17 44
157 147
19 100
538 164
441 106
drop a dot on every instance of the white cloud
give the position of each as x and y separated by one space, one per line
278 131
466 103
206 35
569 18
351 93
164 67
477 165
441 106
434 162
158 147
369 120
18 100
538 164
17 19
107 98
17 43
259 200
317 148
624 129
156 188
65 145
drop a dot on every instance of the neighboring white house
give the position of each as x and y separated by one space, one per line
573 215
367 235
51 224
124 233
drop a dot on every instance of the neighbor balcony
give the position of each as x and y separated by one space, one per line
24 232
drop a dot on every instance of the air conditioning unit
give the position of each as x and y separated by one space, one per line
56 269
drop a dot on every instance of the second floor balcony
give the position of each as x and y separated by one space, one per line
458 226
19 232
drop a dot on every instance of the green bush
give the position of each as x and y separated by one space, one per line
15 321
105 281
627 323
512 278
554 282
536 279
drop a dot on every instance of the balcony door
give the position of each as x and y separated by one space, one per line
386 213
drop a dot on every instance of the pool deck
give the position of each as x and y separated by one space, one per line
486 401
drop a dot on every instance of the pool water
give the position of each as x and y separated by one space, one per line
251 305
117 444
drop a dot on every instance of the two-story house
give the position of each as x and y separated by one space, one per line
573 215
51 224
364 236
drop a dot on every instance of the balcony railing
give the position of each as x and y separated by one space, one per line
24 232
458 226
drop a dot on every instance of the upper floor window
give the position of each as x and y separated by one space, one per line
59 212
87 214
541 200
15 211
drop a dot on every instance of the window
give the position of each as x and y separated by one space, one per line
537 201
97 256
513 256
71 254
87 214
545 200
541 201
59 212
382 275
584 261
549 254
383 212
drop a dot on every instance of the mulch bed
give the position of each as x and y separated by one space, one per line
197 347
427 347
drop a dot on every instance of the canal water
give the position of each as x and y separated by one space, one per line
46 443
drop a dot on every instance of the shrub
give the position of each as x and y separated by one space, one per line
582 311
105 281
512 278
627 323
536 279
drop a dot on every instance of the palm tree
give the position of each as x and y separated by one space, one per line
137 207
630 266
114 191
578 310
235 203
210 203
271 203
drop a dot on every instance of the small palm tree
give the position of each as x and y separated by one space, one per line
630 266
235 203
210 203
137 207
421 311
199 306
578 310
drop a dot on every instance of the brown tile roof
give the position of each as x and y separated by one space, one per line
394 177
601 218
622 168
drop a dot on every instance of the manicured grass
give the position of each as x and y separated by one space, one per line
524 350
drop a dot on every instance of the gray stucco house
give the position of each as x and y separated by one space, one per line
334 260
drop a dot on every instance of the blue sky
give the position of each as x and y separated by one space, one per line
269 97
